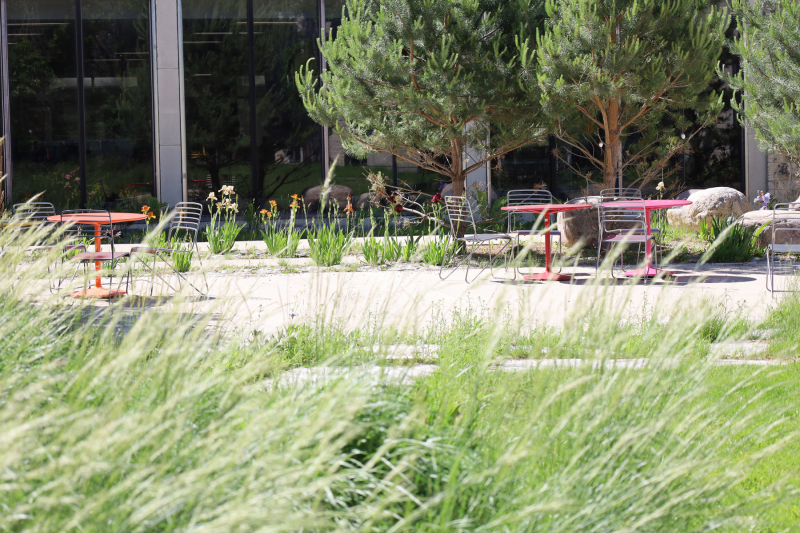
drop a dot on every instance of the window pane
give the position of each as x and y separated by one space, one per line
289 142
43 86
119 131
217 97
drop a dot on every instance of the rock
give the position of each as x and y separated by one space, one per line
687 193
338 194
717 202
367 200
756 219
580 224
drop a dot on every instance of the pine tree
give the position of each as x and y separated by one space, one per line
613 73
769 46
426 80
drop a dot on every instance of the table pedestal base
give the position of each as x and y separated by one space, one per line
547 276
97 292
648 272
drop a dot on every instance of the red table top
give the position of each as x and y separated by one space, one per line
550 208
96 219
648 204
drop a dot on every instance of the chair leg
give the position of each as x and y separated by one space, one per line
770 269
560 254
202 270
453 269
597 263
489 266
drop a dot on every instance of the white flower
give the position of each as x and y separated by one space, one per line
660 186
211 197
226 190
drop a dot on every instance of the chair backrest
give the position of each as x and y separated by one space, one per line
33 216
459 211
185 217
35 211
619 194
621 220
529 197
785 219
99 218
526 197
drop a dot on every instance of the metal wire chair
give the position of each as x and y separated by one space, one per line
459 212
531 197
185 219
785 219
621 226
620 194
105 234
623 194
32 216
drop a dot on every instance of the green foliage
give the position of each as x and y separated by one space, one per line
222 230
730 240
280 241
164 421
183 250
611 71
769 79
437 249
328 244
372 250
408 249
426 81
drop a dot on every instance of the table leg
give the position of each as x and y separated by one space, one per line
648 271
97 248
547 275
98 291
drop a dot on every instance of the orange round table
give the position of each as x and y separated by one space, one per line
547 209
97 220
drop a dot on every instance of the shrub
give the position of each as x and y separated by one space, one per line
731 241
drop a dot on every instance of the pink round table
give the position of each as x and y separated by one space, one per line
545 209
647 205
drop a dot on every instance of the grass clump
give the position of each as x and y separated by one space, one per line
158 420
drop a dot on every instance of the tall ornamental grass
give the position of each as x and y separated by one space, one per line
128 418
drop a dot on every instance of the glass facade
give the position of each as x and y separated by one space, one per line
48 142
215 52
118 98
81 108
43 96
289 143
246 125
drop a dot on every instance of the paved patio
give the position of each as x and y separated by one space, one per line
267 294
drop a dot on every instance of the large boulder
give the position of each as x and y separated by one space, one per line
338 194
756 219
580 225
717 202
367 200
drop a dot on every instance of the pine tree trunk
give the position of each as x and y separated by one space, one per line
459 177
613 153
